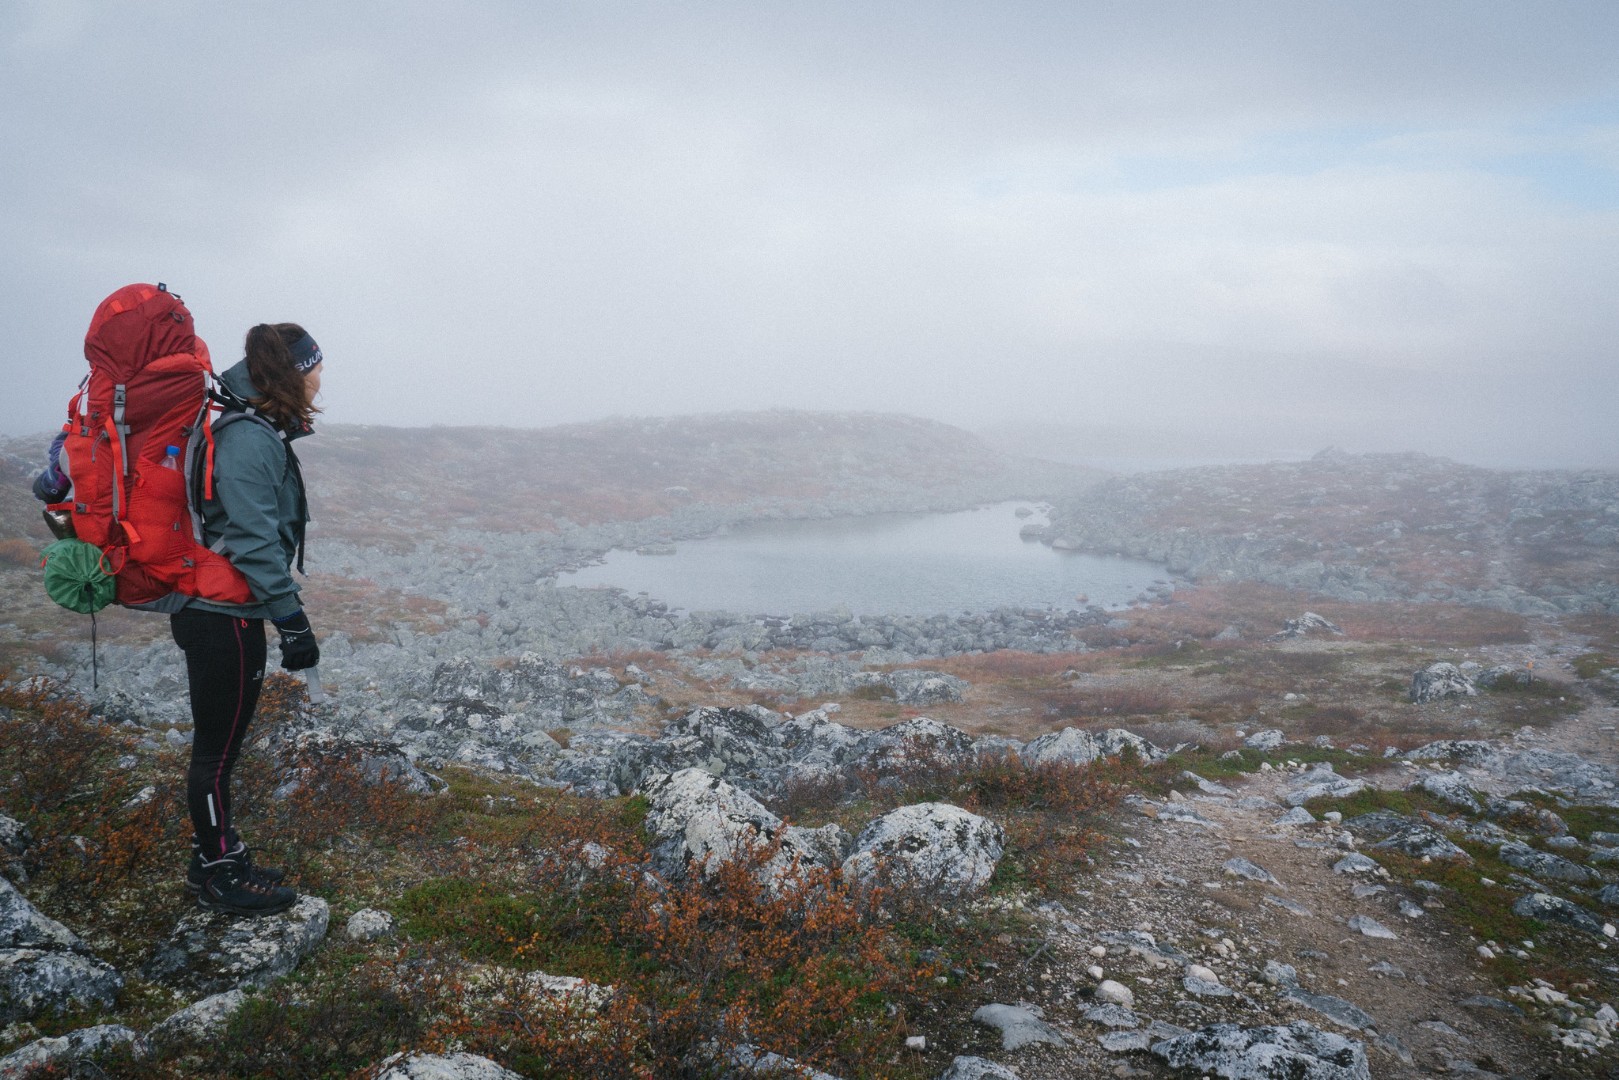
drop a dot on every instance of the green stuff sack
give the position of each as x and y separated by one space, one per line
74 577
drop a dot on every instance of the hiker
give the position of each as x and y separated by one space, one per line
255 514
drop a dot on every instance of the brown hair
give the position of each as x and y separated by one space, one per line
283 396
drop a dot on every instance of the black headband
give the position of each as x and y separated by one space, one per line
305 354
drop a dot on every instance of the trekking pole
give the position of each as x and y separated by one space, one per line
312 681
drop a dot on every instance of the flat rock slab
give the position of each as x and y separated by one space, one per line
976 1068
1369 926
210 952
1204 988
1242 868
443 1067
1337 788
1298 1051
1122 1042
1335 1009
1018 1027
35 981
1356 863
1113 1016
1292 907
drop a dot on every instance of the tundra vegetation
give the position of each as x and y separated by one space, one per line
1247 838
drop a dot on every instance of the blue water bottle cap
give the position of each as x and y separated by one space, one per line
174 451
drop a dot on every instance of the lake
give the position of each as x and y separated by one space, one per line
893 564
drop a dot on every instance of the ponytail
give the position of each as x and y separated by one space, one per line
283 396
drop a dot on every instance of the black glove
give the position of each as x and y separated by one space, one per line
298 648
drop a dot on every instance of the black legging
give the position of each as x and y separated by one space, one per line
225 666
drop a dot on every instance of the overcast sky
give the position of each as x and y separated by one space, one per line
1385 225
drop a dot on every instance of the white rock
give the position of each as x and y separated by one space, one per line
1371 927
460 1066
1113 993
370 924
1095 971
931 846
976 1068
1018 1027
45 1053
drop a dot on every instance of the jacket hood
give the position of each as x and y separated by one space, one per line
236 379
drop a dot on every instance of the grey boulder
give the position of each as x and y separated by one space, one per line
932 846
1081 747
197 1020
695 818
1543 864
1549 908
48 1054
1436 682
210 953
460 1066
44 967
1298 1051
35 981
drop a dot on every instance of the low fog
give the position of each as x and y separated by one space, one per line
1128 234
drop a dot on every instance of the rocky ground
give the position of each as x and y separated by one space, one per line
1348 806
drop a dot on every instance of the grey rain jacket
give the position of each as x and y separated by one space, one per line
258 513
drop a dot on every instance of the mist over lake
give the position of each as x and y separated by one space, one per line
897 564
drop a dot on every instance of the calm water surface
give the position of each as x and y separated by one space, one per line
896 564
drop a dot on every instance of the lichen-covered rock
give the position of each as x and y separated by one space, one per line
930 846
1451 788
460 1066
925 688
1335 787
198 1020
37 981
23 926
1543 864
1298 1051
1268 739
1333 1008
15 839
49 1053
1549 908
1303 626
370 924
209 953
1436 682
697 818
976 1068
919 740
1422 841
1082 747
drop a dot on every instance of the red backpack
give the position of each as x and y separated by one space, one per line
147 394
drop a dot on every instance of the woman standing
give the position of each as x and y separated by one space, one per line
256 518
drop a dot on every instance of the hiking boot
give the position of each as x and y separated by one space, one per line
231 885
196 875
